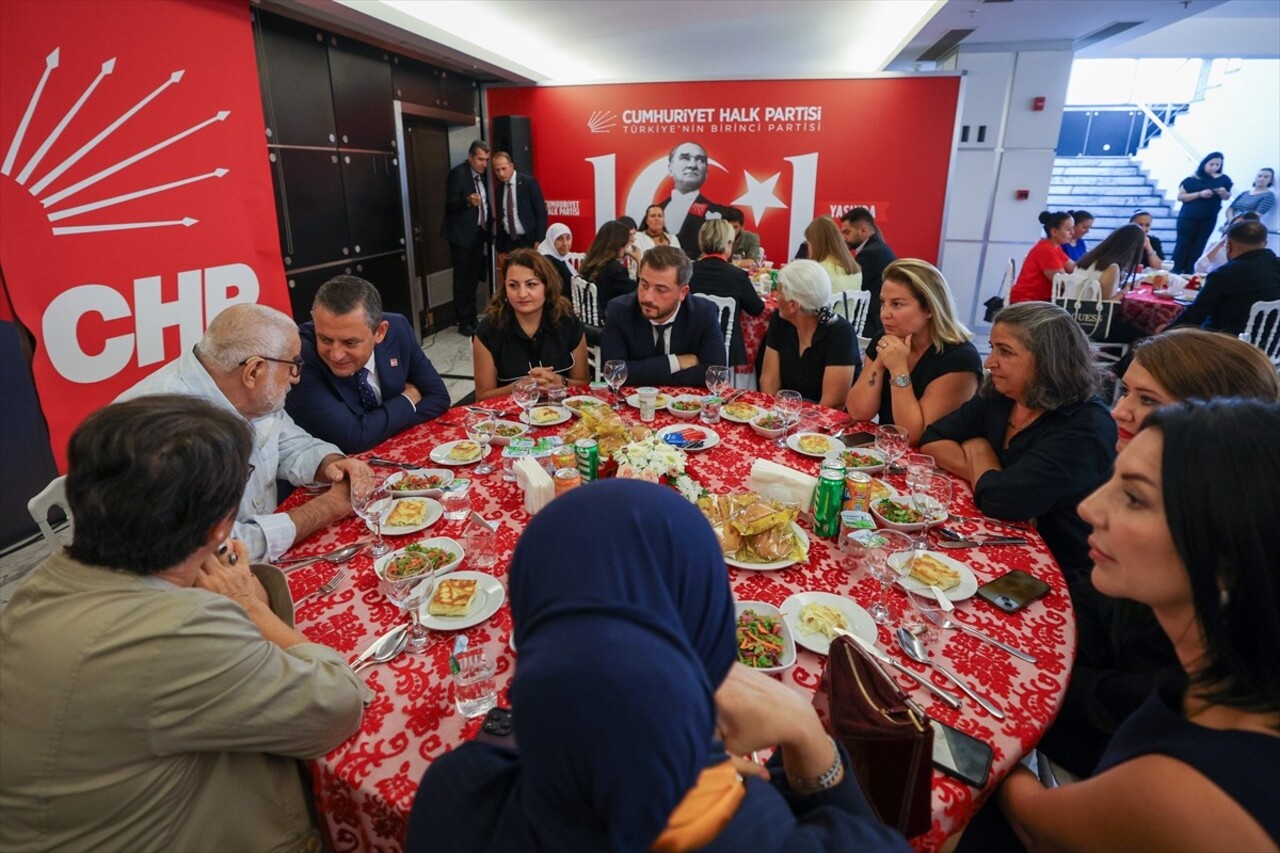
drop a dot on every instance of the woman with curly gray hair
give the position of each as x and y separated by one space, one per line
1037 438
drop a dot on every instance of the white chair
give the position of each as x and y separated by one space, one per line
727 306
853 305
574 260
1263 329
52 495
586 309
1010 275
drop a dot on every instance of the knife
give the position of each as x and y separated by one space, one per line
978 543
910 703
389 637
875 652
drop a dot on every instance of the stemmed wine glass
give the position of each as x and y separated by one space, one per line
615 375
787 404
526 394
370 500
480 429
719 379
931 497
408 596
892 441
890 555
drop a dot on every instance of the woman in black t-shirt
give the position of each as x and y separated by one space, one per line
922 366
528 329
1201 196
807 348
603 265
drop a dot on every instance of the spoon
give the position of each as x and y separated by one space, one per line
391 647
915 650
339 556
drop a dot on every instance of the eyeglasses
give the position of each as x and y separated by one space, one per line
295 363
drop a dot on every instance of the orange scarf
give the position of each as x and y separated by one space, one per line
708 807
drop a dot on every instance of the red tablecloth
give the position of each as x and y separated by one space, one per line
365 787
753 329
1148 312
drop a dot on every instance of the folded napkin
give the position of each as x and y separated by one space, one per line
771 479
536 483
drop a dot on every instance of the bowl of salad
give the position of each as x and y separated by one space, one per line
764 641
769 425
419 482
900 513
419 559
863 459
685 406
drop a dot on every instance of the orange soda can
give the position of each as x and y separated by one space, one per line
566 479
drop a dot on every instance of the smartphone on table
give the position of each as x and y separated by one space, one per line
1013 591
960 756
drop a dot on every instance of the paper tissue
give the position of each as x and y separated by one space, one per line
536 483
772 480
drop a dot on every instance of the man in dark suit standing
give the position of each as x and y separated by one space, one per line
522 211
364 376
467 227
873 254
687 208
1252 275
664 337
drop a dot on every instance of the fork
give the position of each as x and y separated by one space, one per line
329 586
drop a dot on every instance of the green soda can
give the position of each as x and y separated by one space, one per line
588 453
827 500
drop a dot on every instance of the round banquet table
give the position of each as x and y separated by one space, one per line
365 787
753 331
1148 312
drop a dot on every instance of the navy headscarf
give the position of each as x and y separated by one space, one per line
624 626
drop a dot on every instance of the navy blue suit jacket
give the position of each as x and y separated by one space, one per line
329 406
629 336
531 207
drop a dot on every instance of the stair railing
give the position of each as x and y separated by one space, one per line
1167 130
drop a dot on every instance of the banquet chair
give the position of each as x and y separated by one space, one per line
727 306
853 305
52 495
574 260
1263 329
586 309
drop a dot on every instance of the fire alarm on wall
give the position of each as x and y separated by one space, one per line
1037 104
1022 195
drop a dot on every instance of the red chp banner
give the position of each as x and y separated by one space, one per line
135 187
782 151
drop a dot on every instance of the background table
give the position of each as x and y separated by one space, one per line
365 787
1148 312
753 331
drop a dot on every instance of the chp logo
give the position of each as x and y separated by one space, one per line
71 209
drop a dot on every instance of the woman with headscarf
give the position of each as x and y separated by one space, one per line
556 246
807 347
626 661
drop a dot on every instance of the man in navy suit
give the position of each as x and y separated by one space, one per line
467 228
687 208
522 211
664 337
364 377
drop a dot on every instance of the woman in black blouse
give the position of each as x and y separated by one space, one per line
528 330
1037 438
714 275
1201 196
922 366
807 348
603 267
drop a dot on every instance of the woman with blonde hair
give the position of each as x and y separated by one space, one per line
714 275
827 247
923 365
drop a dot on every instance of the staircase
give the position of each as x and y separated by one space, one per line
1110 188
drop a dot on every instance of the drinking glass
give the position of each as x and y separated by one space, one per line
889 558
526 394
787 404
915 617
719 380
891 440
930 495
475 689
615 374
371 500
409 595
918 464
456 501
480 429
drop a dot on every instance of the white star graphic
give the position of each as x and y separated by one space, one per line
759 195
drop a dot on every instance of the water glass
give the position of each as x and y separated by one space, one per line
556 395
719 379
892 441
615 374
526 394
370 500
409 595
915 617
889 559
480 429
481 546
787 404
710 413
456 502
475 685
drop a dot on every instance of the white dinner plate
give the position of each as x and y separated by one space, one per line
968 581
788 657
434 511
793 441
633 400
776 564
545 416
510 426
858 620
445 478
440 454
730 416
710 438
489 597
846 455
578 401
450 545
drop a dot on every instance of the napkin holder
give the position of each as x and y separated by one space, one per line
535 482
770 479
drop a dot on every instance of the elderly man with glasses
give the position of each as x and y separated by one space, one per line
249 358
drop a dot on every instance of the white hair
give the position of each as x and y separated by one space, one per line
243 331
807 283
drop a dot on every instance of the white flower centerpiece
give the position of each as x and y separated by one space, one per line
653 460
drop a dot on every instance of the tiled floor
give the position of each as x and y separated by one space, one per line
450 354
